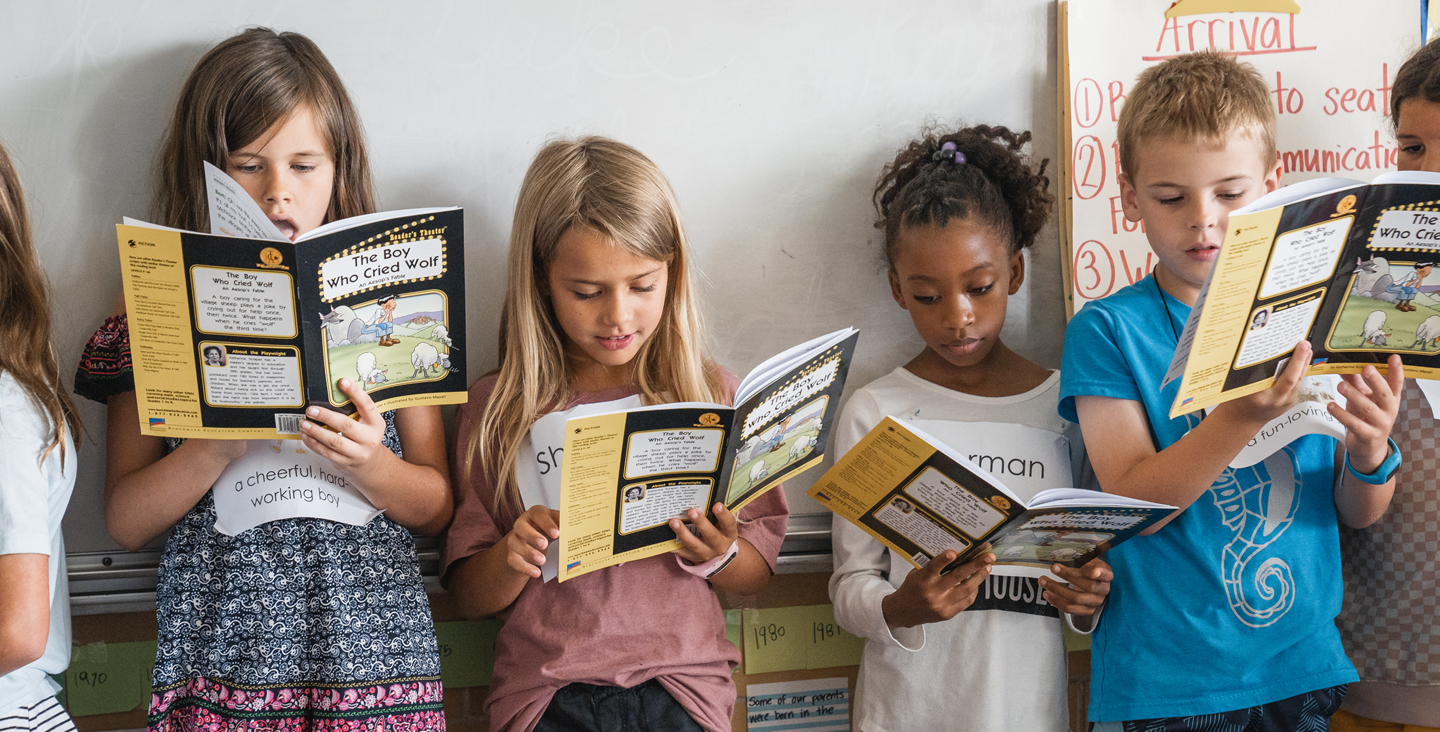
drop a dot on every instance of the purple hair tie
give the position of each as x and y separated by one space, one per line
945 152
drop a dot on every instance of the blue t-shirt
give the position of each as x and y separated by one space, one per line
1233 603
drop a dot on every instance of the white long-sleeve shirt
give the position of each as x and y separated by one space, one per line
999 665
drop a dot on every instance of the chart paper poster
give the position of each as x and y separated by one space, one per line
1329 66
814 705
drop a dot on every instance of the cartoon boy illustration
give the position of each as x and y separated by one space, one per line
383 321
1407 288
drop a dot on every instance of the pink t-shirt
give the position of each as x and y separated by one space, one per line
619 626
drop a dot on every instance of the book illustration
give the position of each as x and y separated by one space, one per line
1389 307
769 453
393 340
1044 548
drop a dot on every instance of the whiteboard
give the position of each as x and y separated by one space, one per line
1328 67
771 119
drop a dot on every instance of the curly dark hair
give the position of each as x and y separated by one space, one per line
997 184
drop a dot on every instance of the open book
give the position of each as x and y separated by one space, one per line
1344 265
627 473
234 333
920 497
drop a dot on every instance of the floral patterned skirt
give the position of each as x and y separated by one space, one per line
299 624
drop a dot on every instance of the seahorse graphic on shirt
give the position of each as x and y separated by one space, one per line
1258 503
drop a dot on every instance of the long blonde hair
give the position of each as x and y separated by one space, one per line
28 354
237 91
614 190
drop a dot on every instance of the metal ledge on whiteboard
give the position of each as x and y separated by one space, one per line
807 534
115 582
804 563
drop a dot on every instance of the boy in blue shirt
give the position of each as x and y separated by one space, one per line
1223 618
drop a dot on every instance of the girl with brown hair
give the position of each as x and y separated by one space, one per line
299 623
37 475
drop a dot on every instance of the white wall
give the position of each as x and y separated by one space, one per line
772 120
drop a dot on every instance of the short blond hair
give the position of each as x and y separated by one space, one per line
1206 96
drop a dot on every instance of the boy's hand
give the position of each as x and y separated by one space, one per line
713 540
354 446
1371 403
1263 406
1088 586
926 596
528 539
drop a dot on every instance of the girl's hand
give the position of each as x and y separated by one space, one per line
354 446
1371 403
926 596
528 539
713 539
1088 586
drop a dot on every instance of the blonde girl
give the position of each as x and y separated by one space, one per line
599 307
300 623
37 474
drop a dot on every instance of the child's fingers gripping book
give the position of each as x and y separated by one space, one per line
236 332
1346 266
627 473
920 497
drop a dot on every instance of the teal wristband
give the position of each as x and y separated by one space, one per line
1382 474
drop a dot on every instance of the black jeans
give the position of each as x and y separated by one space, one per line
643 708
1308 711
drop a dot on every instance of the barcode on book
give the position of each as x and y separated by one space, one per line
288 424
919 559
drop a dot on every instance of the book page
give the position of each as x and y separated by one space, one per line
901 489
626 475
233 212
1234 281
152 267
542 452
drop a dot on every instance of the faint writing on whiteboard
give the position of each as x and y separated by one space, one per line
782 400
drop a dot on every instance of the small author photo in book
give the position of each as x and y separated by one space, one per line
634 493
215 356
1260 319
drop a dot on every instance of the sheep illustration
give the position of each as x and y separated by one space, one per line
1428 333
368 372
440 335
758 472
801 445
426 357
1373 331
